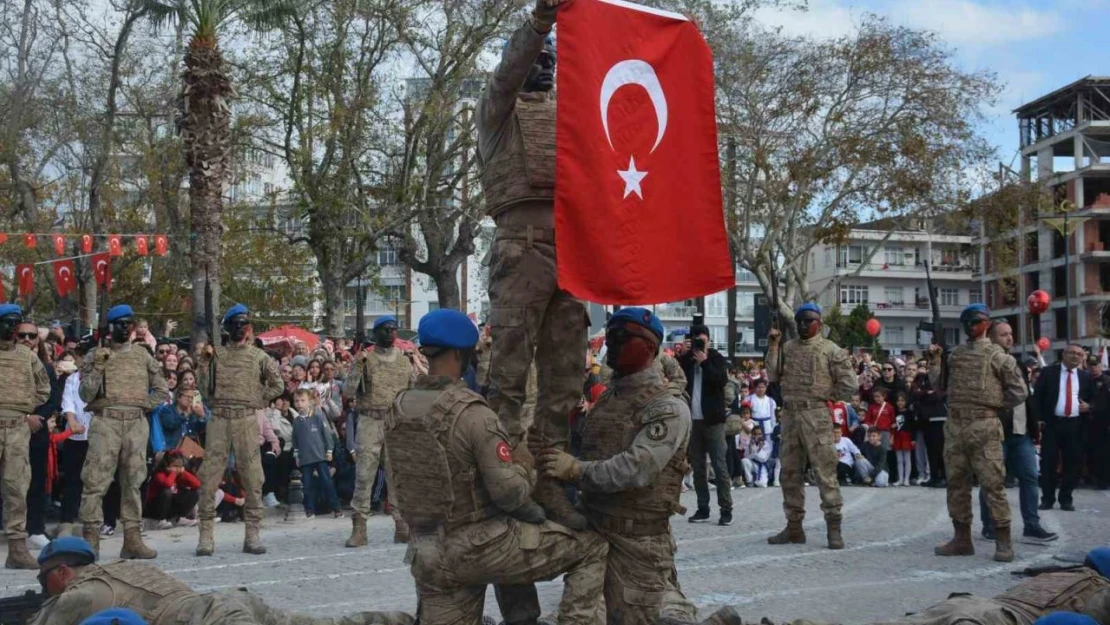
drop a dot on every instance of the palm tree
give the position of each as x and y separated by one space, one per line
205 125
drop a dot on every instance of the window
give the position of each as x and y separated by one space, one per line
719 336
387 257
716 305
895 295
267 188
975 296
828 256
852 254
893 335
895 256
948 297
394 293
853 294
433 306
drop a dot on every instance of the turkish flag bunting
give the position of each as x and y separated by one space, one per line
141 245
3 239
161 244
102 269
3 293
59 244
25 279
638 214
30 240
86 243
115 247
64 276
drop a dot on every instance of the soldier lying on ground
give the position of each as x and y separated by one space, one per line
79 588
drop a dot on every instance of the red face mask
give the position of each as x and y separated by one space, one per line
628 353
979 329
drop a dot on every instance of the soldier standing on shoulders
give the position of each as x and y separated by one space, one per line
378 377
811 372
24 386
982 380
529 314
241 380
120 383
466 497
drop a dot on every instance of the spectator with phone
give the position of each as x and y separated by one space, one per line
706 373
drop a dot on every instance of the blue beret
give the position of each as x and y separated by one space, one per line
447 327
384 320
235 311
119 312
71 545
641 317
975 309
808 307
115 616
1099 560
1065 618
10 309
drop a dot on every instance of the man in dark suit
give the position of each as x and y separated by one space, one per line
706 376
1062 397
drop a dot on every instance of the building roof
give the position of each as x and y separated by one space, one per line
951 223
1059 102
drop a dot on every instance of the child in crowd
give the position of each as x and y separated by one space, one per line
756 456
871 468
313 442
173 493
230 498
848 454
880 417
903 437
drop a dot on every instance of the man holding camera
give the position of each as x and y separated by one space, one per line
706 373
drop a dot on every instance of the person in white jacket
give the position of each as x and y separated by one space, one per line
756 457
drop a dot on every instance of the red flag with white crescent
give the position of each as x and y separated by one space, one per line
65 277
3 239
161 244
30 240
102 269
115 247
25 279
636 157
59 244
86 244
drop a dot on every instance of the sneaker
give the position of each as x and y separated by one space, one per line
309 515
37 541
701 516
270 501
338 514
1039 533
107 530
187 522
163 525
726 519
1067 507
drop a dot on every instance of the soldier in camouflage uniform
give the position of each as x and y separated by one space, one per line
811 371
120 384
982 380
465 497
241 380
24 386
529 314
79 588
374 383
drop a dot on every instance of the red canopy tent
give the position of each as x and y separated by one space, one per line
289 334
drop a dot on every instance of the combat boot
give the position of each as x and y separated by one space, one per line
252 542
960 545
836 541
1003 546
206 545
792 534
91 534
400 531
358 531
63 529
724 616
18 556
552 496
133 547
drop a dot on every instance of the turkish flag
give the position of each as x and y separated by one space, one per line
3 239
25 278
3 293
59 243
102 269
30 240
141 245
638 213
161 244
86 243
64 276
115 248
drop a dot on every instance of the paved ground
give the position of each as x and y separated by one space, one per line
887 569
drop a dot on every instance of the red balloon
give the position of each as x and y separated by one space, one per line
1038 302
1043 344
873 327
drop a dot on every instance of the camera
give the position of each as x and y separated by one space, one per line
699 344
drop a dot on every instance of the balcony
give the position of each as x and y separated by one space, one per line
676 313
961 270
914 309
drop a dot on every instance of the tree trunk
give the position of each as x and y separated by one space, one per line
447 288
330 268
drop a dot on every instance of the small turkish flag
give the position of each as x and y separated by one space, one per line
86 243
59 244
3 239
141 245
30 240
25 278
636 157
115 248
102 269
64 277
3 293
161 244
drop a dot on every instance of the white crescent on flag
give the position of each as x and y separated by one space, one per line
23 272
634 72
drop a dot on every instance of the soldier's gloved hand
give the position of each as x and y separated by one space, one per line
773 336
559 465
530 512
101 357
543 16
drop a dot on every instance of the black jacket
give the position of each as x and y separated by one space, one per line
1047 391
714 378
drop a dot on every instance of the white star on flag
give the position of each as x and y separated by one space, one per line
632 179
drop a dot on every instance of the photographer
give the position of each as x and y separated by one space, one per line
706 377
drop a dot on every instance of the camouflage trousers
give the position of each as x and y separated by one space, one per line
964 610
15 438
452 569
809 435
117 440
529 316
369 439
973 446
263 614
232 430
641 583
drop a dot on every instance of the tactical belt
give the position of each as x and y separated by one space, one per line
123 414
11 422
233 412
804 405
977 412
532 234
628 527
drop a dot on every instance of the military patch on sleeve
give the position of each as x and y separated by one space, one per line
657 430
504 454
